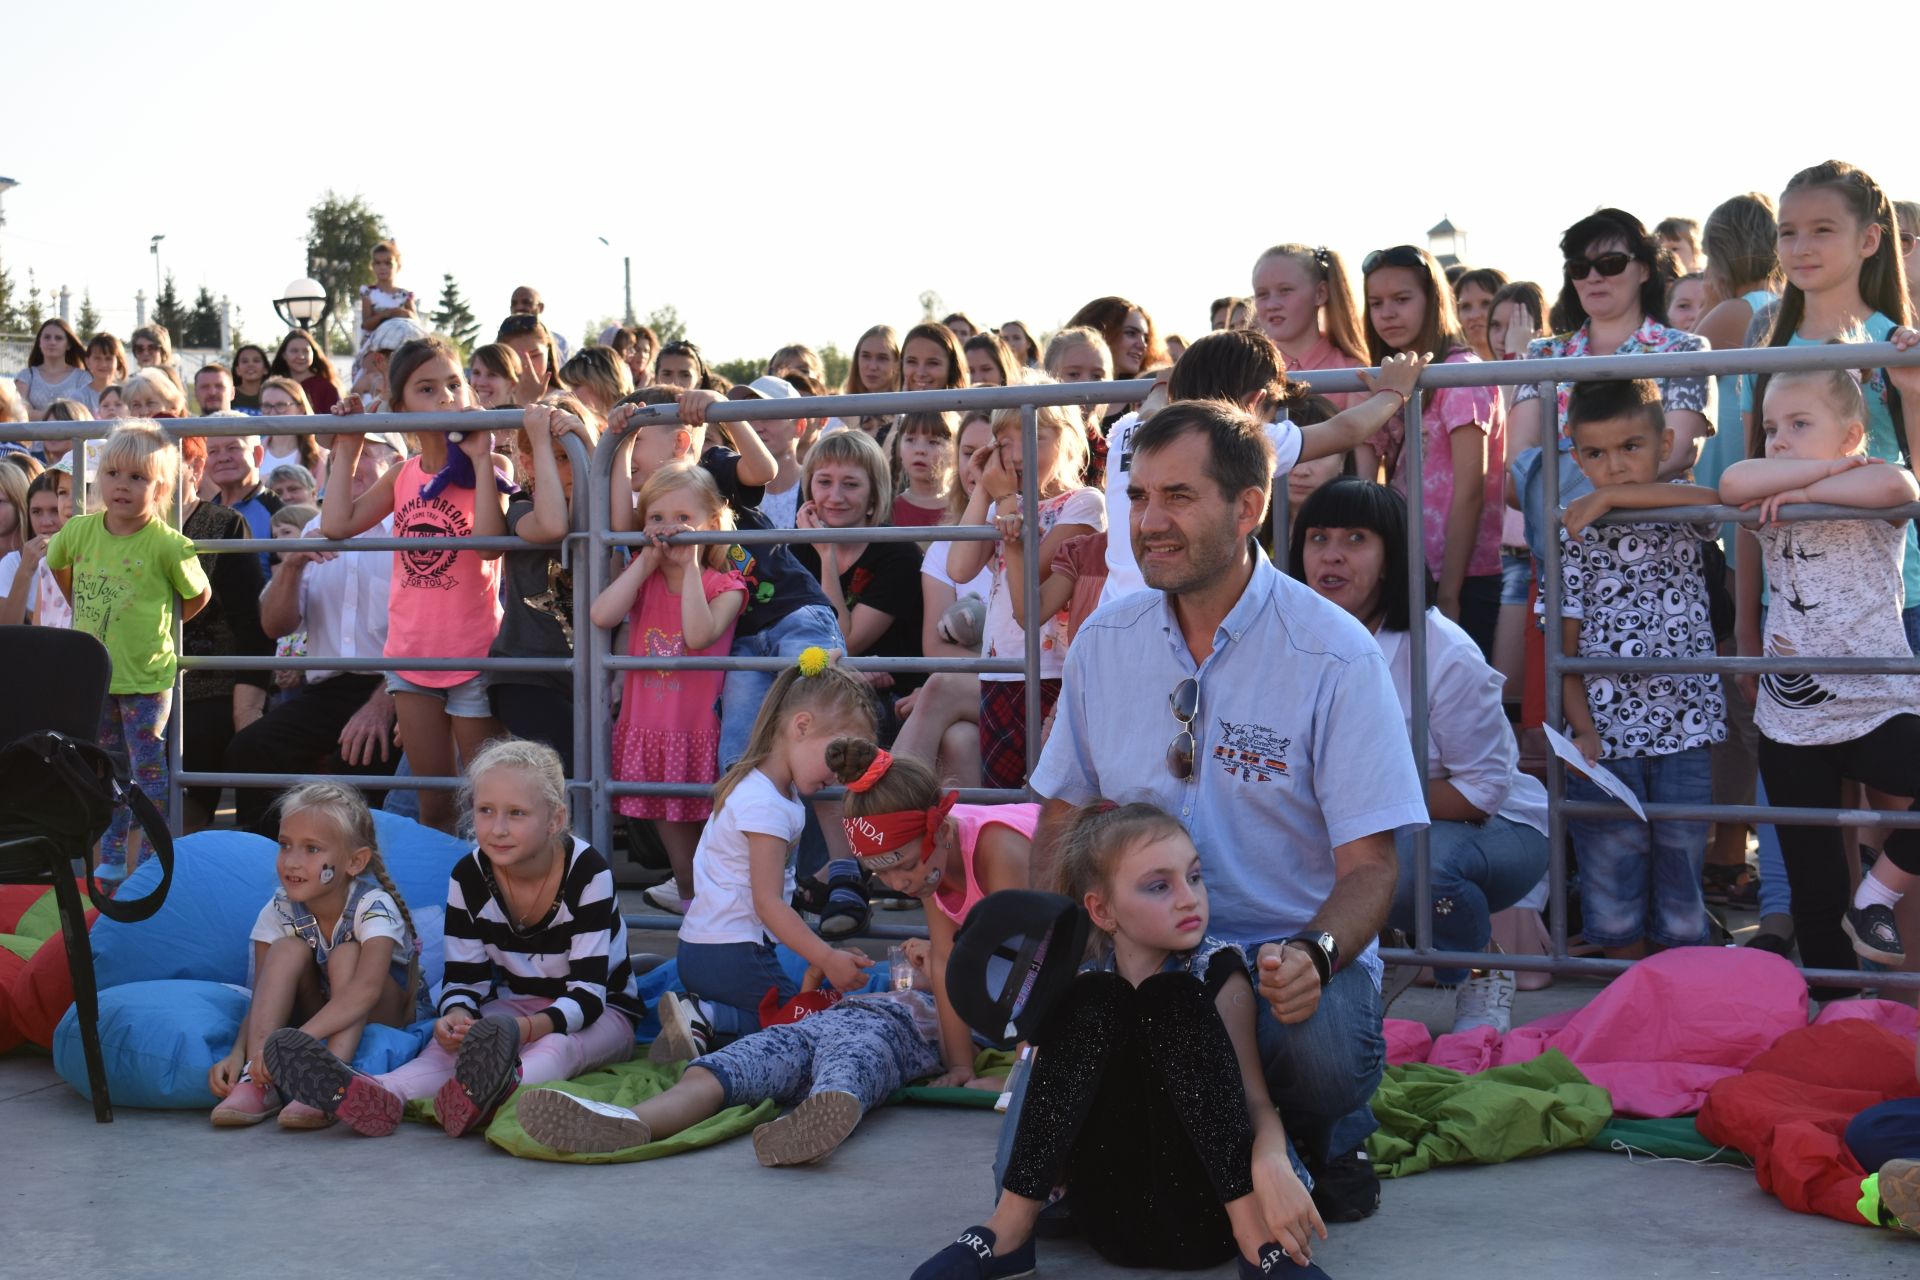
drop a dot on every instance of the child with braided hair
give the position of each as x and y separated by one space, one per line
334 950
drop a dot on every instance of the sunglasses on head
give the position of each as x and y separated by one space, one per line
1607 264
1401 255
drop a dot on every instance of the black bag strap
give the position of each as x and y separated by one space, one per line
94 775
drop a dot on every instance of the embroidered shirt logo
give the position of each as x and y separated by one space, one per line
1251 752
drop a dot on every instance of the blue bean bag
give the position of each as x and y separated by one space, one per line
174 987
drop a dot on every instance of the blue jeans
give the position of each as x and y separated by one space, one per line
1478 869
1516 578
1890 1131
744 691
1639 879
1776 898
1910 619
733 977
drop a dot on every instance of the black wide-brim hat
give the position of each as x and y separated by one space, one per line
1012 958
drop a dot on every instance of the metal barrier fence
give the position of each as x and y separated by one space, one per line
592 665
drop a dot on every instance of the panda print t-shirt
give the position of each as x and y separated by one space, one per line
1638 592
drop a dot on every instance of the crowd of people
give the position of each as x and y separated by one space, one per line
1279 635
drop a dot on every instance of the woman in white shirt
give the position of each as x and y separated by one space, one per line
1487 840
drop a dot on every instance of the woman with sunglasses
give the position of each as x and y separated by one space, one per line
1462 479
1487 833
1615 297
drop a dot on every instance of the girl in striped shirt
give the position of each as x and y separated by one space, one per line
538 984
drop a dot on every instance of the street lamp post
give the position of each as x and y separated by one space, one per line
626 267
153 247
304 306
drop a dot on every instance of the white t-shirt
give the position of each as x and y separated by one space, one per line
46 604
934 565
781 508
722 909
1005 637
1123 575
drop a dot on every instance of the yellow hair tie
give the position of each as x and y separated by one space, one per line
813 660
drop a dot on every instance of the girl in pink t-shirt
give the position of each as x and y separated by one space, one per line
1462 486
920 843
678 602
1303 299
444 603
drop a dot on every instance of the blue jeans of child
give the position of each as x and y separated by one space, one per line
1641 880
1890 1131
740 697
1478 868
733 977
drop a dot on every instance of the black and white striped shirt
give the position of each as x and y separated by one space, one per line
576 957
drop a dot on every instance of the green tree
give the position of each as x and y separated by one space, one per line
835 363
203 322
341 234
739 370
9 302
665 321
930 305
454 317
168 311
591 334
89 318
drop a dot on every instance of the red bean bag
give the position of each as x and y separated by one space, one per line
36 987
1789 1110
11 967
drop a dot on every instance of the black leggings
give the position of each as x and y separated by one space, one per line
1136 1104
1887 759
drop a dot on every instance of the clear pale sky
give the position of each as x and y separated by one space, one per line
786 172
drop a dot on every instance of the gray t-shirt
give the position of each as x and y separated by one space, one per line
536 620
1836 593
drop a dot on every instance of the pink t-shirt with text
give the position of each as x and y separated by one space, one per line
443 603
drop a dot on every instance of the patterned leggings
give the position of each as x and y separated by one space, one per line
134 725
865 1049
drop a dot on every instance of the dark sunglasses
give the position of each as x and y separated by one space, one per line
1607 264
1184 702
1401 255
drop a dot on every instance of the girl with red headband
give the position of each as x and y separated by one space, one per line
947 855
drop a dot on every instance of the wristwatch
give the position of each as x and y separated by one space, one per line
1322 948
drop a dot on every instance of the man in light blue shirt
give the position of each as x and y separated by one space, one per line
1287 762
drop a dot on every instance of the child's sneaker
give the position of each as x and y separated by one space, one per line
1485 1000
1875 935
666 896
810 1132
684 1034
248 1104
306 1070
846 911
972 1257
574 1125
485 1072
298 1115
1899 1182
1276 1261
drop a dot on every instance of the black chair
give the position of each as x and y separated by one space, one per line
57 680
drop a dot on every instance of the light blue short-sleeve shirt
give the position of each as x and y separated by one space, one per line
1300 743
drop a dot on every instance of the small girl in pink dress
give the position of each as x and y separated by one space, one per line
680 602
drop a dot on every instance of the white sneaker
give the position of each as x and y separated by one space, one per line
666 896
1485 1000
684 1032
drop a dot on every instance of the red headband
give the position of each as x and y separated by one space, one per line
882 840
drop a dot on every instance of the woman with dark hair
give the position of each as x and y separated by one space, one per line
57 370
303 358
107 363
1020 341
1473 294
680 365
1129 332
531 341
1614 302
251 369
931 359
1487 835
990 362
960 325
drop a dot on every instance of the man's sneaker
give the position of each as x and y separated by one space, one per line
1900 1195
298 1115
248 1104
574 1125
1347 1190
306 1070
1485 1000
1874 933
485 1072
846 911
1276 1261
972 1257
684 1034
666 896
811 1131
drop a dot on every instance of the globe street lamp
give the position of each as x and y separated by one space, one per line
304 306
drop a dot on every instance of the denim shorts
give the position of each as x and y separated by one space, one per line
1516 577
467 700
812 625
1639 879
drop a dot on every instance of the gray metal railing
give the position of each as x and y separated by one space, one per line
594 664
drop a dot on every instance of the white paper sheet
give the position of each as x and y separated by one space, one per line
1598 776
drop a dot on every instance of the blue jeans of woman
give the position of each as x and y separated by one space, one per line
1477 868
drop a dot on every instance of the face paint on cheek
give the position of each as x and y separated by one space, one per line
326 873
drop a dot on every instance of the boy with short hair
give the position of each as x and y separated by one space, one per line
1637 591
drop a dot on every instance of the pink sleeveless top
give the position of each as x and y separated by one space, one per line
971 820
443 603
